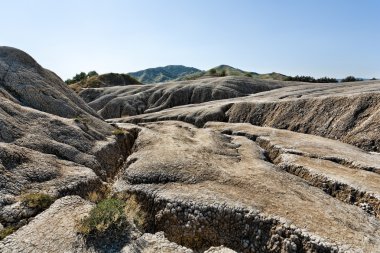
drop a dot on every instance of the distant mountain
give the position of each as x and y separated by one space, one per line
225 70
105 80
163 74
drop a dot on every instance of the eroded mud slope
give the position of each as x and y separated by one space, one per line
349 112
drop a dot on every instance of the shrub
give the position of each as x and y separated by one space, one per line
248 74
92 73
326 80
38 201
310 79
212 72
81 77
6 231
223 73
107 214
351 79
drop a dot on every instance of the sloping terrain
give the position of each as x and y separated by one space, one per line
105 80
114 102
51 142
163 74
349 112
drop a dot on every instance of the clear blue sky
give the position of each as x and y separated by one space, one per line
309 37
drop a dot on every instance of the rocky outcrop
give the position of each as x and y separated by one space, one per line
115 102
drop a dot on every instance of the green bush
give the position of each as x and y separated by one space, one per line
351 79
92 73
310 79
81 76
107 214
39 201
212 72
326 80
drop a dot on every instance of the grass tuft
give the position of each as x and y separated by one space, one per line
107 214
6 231
39 201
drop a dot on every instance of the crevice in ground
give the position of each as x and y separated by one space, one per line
99 186
200 226
339 190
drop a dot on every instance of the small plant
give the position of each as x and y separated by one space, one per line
81 119
38 201
119 132
107 214
6 231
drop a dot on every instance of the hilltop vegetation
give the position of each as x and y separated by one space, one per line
81 76
105 80
163 74
310 79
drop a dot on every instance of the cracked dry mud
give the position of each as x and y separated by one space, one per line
268 166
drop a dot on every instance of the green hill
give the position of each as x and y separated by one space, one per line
163 74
